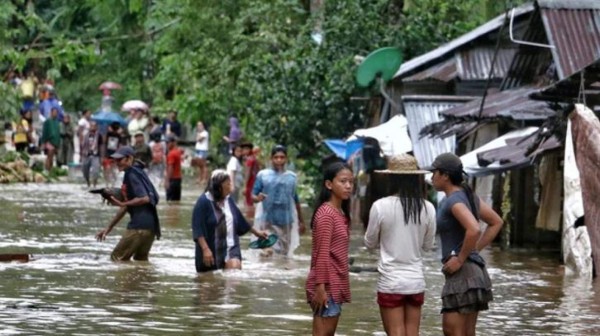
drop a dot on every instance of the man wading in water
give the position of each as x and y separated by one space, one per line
140 199
275 190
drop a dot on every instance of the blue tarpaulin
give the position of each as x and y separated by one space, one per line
343 149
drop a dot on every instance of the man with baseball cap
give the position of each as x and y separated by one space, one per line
139 200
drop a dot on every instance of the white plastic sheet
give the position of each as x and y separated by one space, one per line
392 136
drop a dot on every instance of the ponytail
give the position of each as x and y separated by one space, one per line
457 178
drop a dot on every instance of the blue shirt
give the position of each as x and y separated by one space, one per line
451 232
280 188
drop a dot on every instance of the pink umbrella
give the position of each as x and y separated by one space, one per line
107 86
134 105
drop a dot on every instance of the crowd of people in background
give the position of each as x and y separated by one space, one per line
64 139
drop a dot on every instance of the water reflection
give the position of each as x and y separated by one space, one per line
73 288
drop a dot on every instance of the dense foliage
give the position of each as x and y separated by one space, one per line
213 58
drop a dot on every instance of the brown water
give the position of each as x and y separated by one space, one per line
72 288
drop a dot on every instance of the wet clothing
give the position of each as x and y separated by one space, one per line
280 188
400 245
220 227
329 257
91 168
174 190
469 289
144 226
144 217
133 243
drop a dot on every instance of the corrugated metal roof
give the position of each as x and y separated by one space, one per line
517 150
569 4
575 33
445 72
569 89
422 111
475 63
468 64
530 64
414 64
513 150
510 103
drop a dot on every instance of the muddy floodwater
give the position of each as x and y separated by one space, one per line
72 288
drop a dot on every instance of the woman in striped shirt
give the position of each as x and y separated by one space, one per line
328 283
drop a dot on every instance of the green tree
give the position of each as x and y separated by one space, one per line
213 58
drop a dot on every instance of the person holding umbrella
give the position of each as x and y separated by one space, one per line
137 124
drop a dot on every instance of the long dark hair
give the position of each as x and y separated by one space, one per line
215 184
410 189
458 179
329 173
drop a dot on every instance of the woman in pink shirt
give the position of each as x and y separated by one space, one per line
328 283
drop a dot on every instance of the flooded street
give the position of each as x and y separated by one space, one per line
72 288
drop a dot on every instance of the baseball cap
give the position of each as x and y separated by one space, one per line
123 152
447 162
138 133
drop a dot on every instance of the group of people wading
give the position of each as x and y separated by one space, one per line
401 225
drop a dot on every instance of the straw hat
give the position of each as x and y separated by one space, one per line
402 164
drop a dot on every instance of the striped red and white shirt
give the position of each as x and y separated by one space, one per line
329 258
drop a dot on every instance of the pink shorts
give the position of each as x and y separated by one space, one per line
389 300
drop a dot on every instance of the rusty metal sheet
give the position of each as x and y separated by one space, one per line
445 72
502 104
575 34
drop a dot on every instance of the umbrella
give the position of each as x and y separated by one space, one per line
134 105
109 86
108 117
